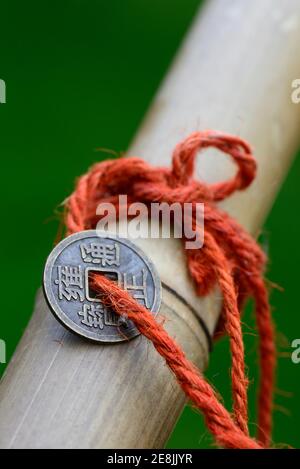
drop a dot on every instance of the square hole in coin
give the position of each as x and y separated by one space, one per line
91 294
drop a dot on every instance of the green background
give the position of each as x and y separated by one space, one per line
80 75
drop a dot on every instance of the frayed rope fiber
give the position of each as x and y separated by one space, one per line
229 258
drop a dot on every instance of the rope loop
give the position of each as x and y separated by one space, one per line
185 153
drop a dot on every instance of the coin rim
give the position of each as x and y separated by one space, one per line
59 313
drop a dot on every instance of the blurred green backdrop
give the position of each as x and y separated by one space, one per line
80 75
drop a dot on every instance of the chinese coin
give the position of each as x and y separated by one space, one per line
71 298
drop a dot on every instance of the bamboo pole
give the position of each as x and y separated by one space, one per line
233 73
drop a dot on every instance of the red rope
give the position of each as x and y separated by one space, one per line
229 258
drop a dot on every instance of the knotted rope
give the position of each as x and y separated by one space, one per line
229 258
